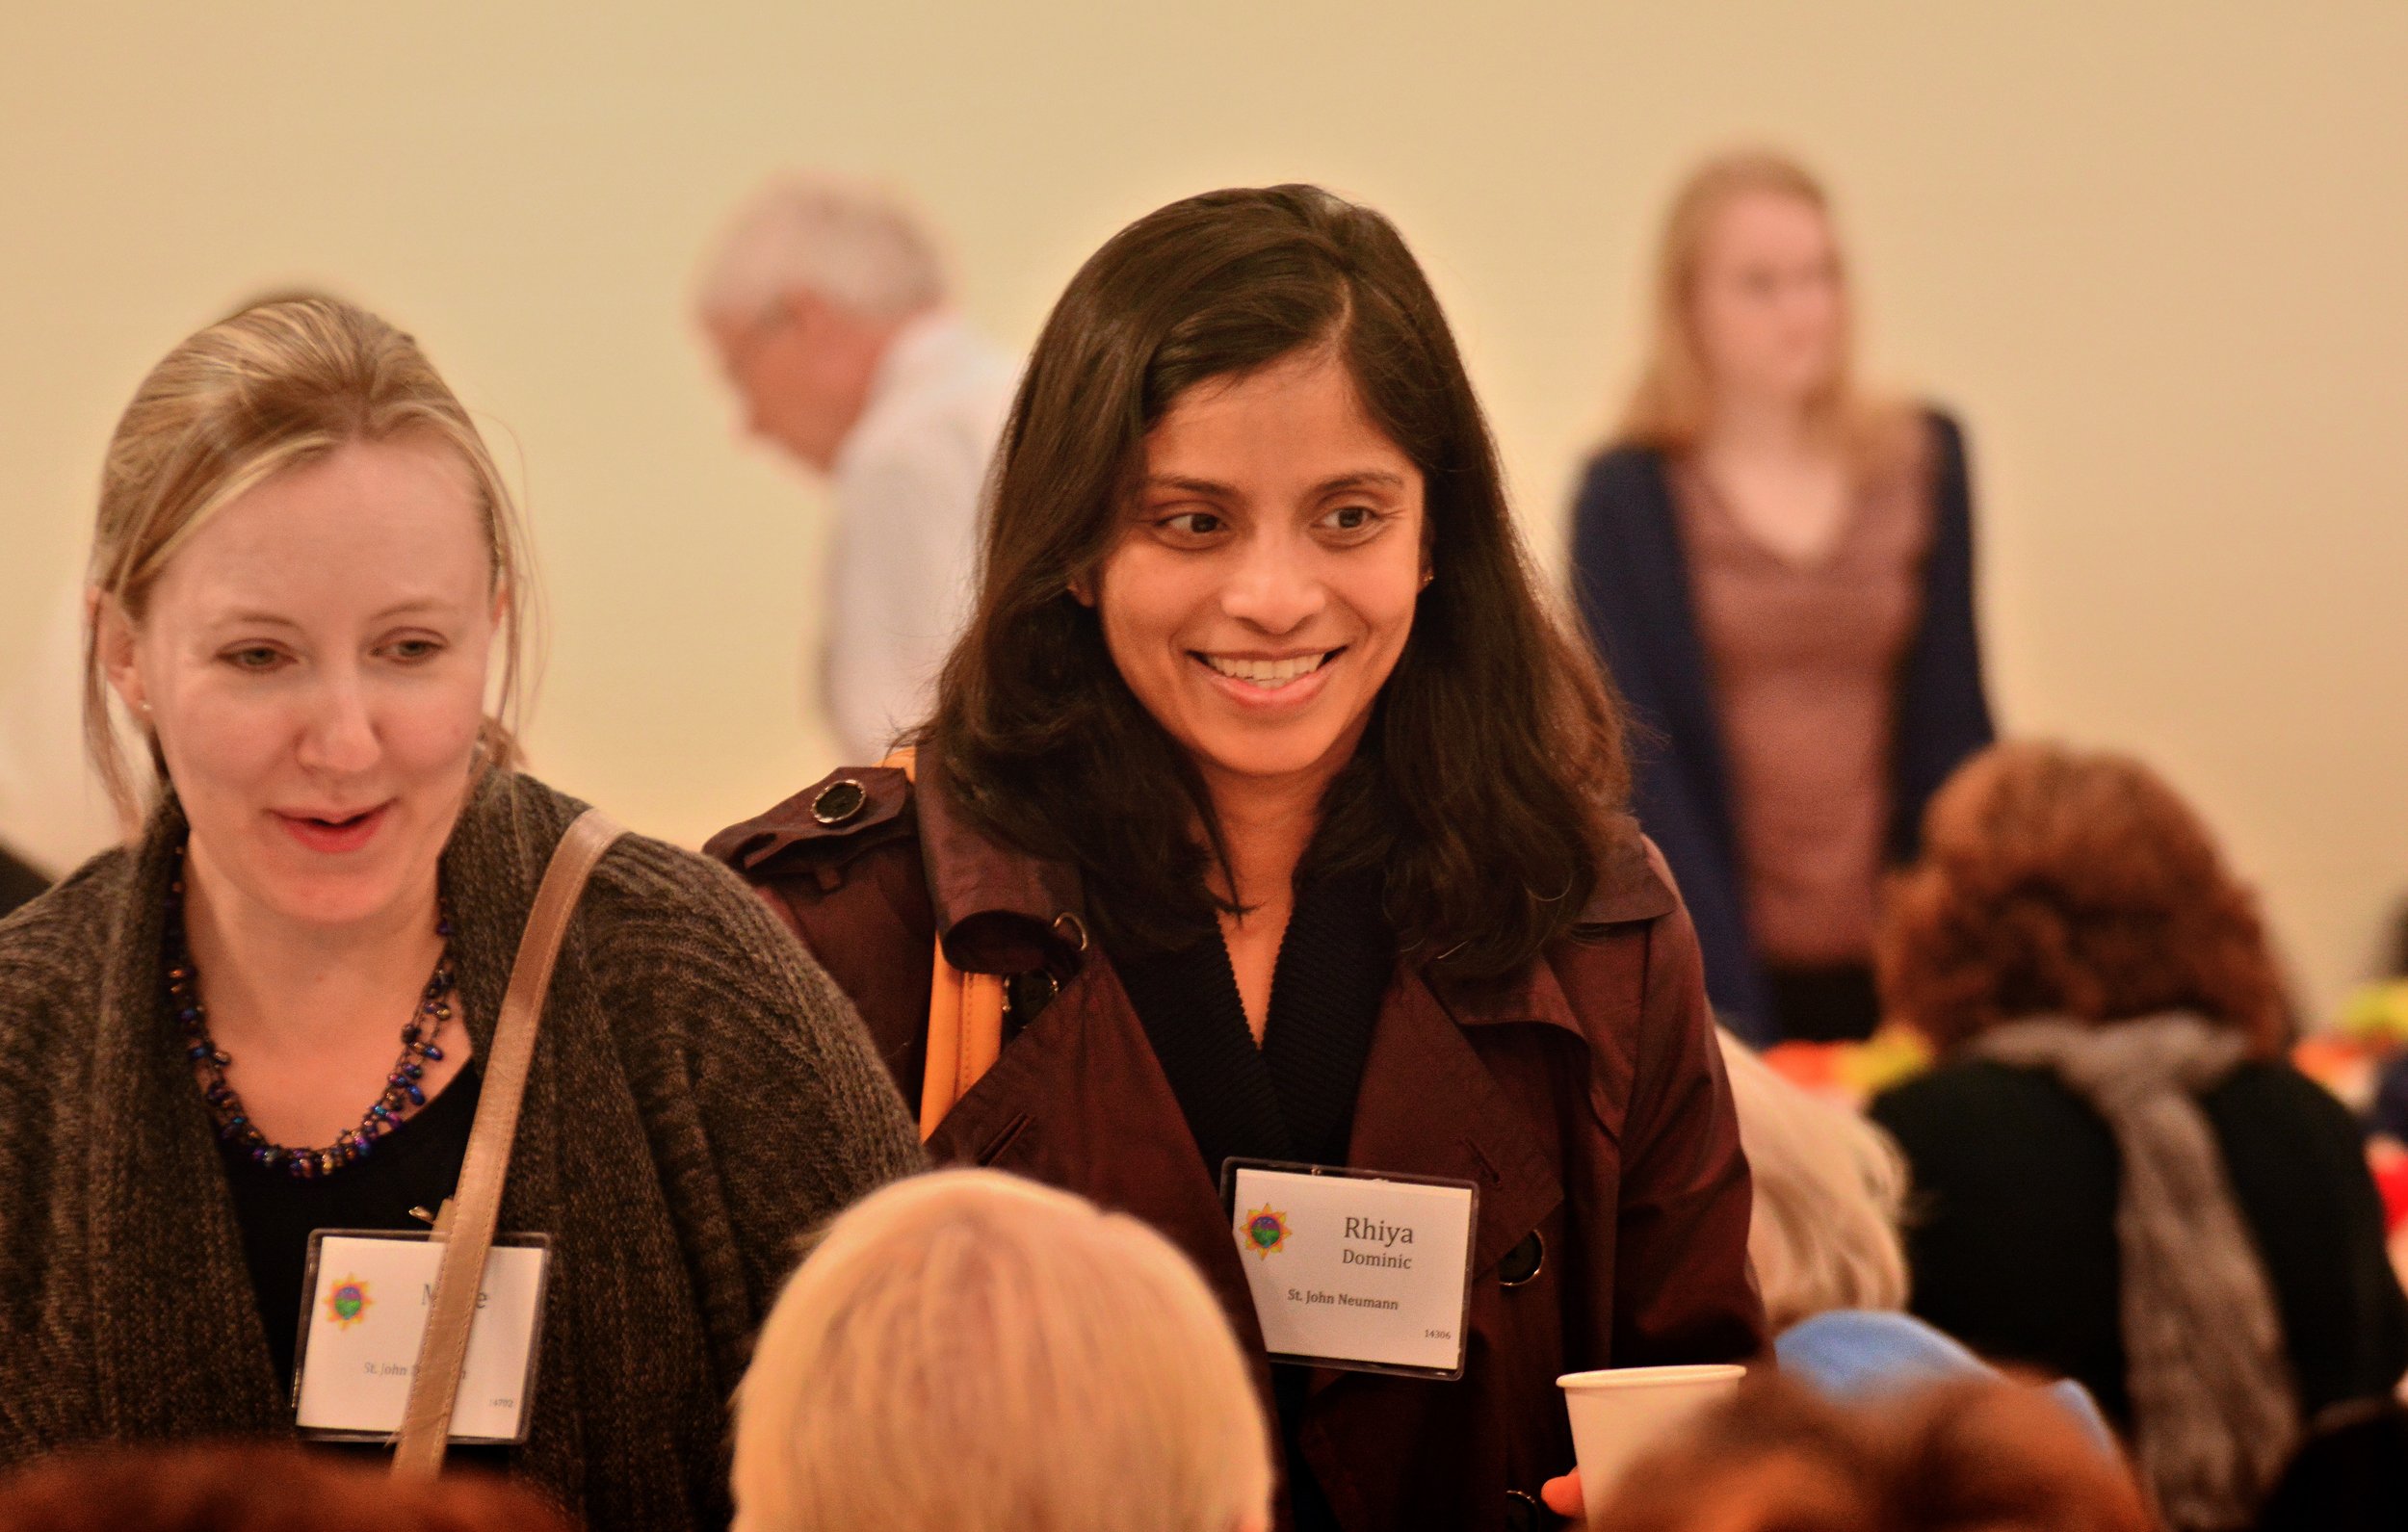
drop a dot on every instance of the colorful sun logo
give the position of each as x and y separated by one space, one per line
348 1304
1265 1231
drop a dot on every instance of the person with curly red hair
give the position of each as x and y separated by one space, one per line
2117 1177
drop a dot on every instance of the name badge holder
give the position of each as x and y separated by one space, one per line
364 1304
1358 1270
366 1296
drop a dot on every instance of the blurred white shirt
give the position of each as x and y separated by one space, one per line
908 486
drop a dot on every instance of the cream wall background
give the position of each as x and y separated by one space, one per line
2153 253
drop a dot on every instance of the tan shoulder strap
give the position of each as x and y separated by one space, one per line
467 1224
965 1038
966 1022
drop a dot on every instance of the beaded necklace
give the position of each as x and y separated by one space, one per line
402 1093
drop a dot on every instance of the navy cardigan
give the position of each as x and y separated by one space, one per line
1629 575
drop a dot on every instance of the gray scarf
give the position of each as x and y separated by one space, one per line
2215 1408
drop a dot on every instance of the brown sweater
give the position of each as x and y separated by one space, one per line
1805 656
701 1096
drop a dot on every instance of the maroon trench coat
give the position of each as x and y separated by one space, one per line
1585 1097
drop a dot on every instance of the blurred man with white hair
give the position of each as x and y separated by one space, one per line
828 305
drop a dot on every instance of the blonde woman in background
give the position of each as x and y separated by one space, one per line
1778 569
267 1016
970 1352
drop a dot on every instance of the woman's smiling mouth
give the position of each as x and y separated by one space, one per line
1267 674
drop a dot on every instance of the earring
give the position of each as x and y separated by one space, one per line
1428 575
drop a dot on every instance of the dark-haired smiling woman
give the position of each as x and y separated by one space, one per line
1293 823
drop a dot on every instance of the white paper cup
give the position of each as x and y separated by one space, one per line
1619 1412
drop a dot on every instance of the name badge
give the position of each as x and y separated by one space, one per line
366 1296
1354 1269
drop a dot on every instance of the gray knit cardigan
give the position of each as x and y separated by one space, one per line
701 1096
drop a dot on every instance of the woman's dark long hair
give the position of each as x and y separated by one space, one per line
1492 777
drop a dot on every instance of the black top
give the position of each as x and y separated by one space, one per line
416 1165
2011 1233
1291 1099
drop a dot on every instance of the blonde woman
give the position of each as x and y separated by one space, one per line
1778 569
970 1352
266 1017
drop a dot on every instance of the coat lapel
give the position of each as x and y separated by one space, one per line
1428 1106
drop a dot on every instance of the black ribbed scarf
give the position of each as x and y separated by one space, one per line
1292 1098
